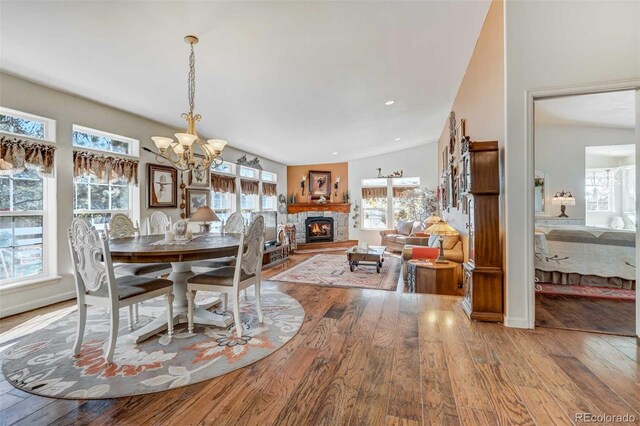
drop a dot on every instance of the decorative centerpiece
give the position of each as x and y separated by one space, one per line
180 231
321 200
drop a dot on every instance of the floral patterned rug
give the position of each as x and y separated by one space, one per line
333 270
43 363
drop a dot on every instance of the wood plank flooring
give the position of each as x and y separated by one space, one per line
369 357
586 314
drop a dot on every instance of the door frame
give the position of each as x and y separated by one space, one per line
557 92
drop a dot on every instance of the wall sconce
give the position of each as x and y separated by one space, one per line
335 186
563 199
302 182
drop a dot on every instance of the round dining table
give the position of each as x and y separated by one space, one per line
153 249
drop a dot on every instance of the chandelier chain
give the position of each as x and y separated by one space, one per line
192 80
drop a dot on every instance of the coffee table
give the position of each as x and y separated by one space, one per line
372 255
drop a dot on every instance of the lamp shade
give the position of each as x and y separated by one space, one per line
563 198
204 214
441 228
217 145
186 139
433 219
162 143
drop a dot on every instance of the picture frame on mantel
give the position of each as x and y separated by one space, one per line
319 184
162 186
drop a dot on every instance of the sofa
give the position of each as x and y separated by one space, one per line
452 245
405 233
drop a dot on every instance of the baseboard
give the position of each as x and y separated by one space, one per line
35 304
516 322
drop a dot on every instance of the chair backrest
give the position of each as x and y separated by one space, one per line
91 259
158 223
250 259
121 226
234 224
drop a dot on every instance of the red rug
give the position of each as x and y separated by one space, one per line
586 291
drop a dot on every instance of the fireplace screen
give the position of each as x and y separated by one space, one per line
319 229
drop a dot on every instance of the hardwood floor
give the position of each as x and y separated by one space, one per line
586 314
369 357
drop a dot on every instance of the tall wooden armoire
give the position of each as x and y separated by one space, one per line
480 184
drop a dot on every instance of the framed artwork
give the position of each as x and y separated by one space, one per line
319 184
162 186
196 198
200 178
459 135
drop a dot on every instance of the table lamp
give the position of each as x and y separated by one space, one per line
563 199
205 215
433 219
441 229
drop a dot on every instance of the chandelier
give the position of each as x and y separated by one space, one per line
182 153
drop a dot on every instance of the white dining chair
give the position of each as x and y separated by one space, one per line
158 223
97 285
232 279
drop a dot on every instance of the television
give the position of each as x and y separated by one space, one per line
271 226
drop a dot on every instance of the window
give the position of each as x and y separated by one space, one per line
599 190
405 201
248 204
629 189
248 172
269 177
98 140
375 209
399 203
24 124
22 209
98 201
269 202
225 168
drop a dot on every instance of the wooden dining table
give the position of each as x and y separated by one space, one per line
148 249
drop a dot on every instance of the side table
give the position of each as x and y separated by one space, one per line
433 278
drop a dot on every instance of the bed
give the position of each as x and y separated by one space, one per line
582 255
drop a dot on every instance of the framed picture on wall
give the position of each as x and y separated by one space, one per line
319 184
200 178
162 186
196 198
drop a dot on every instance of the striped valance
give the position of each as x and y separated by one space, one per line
269 189
249 187
105 169
19 154
401 191
220 183
369 193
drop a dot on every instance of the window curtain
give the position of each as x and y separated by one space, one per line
223 184
401 191
268 189
105 168
249 187
370 193
20 154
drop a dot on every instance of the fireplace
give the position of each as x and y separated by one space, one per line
319 229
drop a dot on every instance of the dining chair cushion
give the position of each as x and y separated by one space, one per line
220 276
131 285
215 263
140 268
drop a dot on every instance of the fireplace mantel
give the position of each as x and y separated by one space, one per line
313 207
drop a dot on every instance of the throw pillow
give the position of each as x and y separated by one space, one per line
404 227
433 241
417 227
425 253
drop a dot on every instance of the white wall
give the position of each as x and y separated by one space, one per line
421 161
560 154
67 110
547 45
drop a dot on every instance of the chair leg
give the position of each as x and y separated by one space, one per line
130 317
225 302
136 313
236 314
113 334
191 295
169 299
82 320
244 294
258 302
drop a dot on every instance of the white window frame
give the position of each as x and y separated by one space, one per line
611 200
624 172
390 209
134 144
134 200
49 124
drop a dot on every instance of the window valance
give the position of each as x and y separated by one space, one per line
105 168
369 193
221 183
401 191
18 154
249 187
269 189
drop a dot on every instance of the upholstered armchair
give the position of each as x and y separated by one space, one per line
452 245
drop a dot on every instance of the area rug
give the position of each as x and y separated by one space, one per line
43 363
333 270
586 291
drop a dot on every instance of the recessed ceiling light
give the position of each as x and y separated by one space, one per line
334 153
389 103
397 139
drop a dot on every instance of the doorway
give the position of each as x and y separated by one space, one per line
585 212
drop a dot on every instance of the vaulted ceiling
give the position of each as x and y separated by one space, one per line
290 81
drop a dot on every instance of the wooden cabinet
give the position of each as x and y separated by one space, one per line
483 278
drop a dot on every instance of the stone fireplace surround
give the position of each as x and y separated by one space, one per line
340 224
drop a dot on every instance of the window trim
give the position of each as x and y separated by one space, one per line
611 202
133 143
49 124
390 208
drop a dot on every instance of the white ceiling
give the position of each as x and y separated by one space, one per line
288 81
614 109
